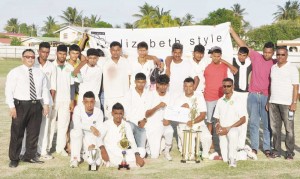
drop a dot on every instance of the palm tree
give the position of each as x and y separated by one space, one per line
187 20
50 25
71 16
238 10
290 11
90 22
128 25
146 12
12 25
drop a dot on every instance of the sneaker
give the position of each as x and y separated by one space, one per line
46 157
232 163
289 157
63 153
74 164
168 156
250 154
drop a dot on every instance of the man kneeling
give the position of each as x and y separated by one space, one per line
86 132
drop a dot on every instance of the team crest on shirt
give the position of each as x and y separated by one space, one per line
94 122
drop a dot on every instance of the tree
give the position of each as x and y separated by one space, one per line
238 10
15 42
50 27
92 20
290 11
12 25
145 16
102 24
128 25
72 16
186 20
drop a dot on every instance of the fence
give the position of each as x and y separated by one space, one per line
16 51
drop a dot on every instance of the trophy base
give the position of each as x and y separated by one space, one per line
93 167
123 166
190 161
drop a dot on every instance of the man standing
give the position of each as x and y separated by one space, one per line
87 122
63 102
230 115
283 102
26 86
241 78
156 126
258 93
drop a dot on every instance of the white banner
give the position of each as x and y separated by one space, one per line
160 40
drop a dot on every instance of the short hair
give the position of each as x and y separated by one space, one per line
44 45
140 76
74 47
101 53
163 79
215 49
89 94
115 43
27 50
244 50
189 80
282 48
142 45
118 106
228 79
177 46
62 48
269 45
199 48
92 51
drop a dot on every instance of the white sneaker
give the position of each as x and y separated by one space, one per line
46 157
232 163
168 156
74 164
63 153
249 152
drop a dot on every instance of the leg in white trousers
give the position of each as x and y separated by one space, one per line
243 128
44 135
229 145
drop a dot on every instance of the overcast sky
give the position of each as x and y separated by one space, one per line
117 12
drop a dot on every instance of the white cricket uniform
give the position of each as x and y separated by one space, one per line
146 68
115 82
179 72
229 112
60 116
205 136
199 70
155 129
111 136
91 81
81 133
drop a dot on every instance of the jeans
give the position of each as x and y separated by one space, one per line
139 135
278 114
210 105
256 104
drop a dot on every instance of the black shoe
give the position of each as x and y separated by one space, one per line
289 157
33 160
13 163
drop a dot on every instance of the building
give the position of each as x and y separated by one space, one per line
292 45
35 41
71 34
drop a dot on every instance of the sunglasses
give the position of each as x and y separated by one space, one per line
28 57
227 86
280 54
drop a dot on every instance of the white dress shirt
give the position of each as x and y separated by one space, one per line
18 85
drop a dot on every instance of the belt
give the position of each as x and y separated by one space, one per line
26 101
257 93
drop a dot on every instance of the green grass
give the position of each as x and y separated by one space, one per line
7 64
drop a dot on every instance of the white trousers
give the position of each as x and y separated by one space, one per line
108 104
81 139
205 138
154 137
242 130
59 121
229 145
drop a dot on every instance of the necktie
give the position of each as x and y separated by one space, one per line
32 86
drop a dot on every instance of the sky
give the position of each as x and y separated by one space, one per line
117 12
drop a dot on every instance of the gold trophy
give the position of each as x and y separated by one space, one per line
124 144
190 154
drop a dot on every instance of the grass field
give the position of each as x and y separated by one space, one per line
159 168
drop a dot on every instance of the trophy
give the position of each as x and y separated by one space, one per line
124 145
94 159
190 154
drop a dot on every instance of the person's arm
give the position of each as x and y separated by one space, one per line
10 86
168 62
293 106
232 68
224 130
72 91
197 80
77 69
150 112
198 119
83 42
237 38
45 96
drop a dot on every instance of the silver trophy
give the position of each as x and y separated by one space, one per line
93 159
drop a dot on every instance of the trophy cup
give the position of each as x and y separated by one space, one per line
94 160
190 154
124 145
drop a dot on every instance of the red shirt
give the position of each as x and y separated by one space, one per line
214 75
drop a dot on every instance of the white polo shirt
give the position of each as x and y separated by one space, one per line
147 68
116 78
199 70
135 105
200 103
83 121
153 99
282 81
91 80
179 72
64 81
229 111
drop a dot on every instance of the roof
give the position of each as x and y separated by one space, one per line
5 40
13 34
78 29
42 39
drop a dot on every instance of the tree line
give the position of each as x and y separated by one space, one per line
286 23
